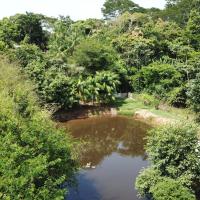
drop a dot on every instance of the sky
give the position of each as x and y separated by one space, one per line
76 9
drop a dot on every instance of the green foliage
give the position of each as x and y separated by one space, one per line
130 23
94 55
148 100
135 51
27 53
99 88
177 97
16 28
193 29
106 84
113 8
146 179
157 78
63 39
194 94
151 184
178 11
2 46
171 189
8 31
173 151
36 157
55 84
30 25
59 89
150 50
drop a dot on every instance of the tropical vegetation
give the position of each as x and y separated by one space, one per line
50 63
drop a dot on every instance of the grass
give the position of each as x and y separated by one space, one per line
128 107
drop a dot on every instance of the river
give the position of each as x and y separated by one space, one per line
112 155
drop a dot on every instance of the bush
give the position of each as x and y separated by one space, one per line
171 189
172 150
146 179
94 56
100 88
157 78
177 97
151 184
36 157
149 100
2 45
59 89
26 53
194 94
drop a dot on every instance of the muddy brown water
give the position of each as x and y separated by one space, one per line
112 156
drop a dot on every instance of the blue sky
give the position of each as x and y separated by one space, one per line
76 9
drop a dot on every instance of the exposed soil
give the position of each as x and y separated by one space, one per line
87 111
83 112
149 117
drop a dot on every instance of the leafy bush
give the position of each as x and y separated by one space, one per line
173 151
146 179
194 94
148 100
152 184
157 78
94 56
26 53
36 157
177 97
59 89
100 88
171 189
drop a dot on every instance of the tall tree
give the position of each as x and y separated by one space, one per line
113 8
23 27
193 28
179 10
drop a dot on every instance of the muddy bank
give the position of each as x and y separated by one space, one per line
88 111
83 112
151 118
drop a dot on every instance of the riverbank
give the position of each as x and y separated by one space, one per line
150 113
135 107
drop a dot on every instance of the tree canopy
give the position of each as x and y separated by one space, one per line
114 8
70 63
36 157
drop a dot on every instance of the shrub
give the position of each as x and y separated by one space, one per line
172 150
177 97
26 53
146 179
36 157
194 94
157 78
149 100
170 189
94 56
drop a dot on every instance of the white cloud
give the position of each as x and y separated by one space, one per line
76 9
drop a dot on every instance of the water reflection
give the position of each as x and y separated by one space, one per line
115 146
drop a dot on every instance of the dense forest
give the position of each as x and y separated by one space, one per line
50 63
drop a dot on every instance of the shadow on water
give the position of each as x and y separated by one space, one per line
85 188
113 151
